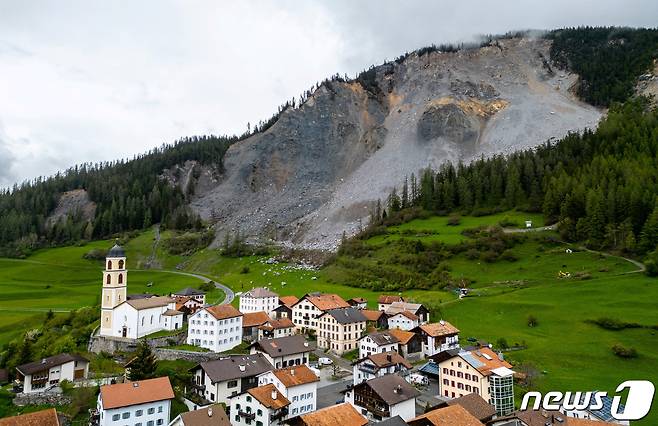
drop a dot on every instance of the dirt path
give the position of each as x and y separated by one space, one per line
156 240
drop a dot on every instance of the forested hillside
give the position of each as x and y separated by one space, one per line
600 186
129 195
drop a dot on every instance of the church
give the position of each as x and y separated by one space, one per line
129 318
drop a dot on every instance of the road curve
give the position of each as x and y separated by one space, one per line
229 294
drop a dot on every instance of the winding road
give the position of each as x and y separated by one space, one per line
229 294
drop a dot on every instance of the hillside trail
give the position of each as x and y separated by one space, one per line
156 241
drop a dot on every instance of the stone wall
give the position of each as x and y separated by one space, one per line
41 398
99 344
164 354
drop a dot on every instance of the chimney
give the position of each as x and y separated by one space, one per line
209 411
442 322
292 372
389 358
306 344
135 384
397 389
274 394
242 367
43 360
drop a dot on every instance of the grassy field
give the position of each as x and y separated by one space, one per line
574 354
437 228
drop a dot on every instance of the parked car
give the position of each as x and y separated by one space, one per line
325 361
418 379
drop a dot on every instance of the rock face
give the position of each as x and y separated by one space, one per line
74 202
319 169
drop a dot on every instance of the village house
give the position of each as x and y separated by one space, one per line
417 309
375 319
259 299
39 376
340 329
134 318
190 293
284 310
262 405
213 415
46 417
377 365
299 384
380 341
474 404
437 337
403 320
358 302
450 415
188 305
341 414
384 301
480 371
284 351
410 344
384 397
146 401
251 321
217 380
217 328
307 309
276 328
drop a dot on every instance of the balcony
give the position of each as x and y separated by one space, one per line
279 414
375 410
247 416
367 368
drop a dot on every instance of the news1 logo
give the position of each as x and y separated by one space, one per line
638 403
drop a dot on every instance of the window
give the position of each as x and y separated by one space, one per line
259 412
120 279
232 384
159 422
115 417
150 423
248 398
151 410
160 409
108 280
125 415
139 413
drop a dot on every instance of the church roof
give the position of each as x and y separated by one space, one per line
151 302
116 251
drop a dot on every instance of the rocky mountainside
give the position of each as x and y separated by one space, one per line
318 170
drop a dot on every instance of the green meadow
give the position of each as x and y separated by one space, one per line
569 352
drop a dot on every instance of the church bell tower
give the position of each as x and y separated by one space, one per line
115 280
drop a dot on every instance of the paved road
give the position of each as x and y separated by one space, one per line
230 295
329 395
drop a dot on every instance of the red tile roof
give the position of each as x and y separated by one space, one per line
38 418
264 395
140 392
221 312
252 319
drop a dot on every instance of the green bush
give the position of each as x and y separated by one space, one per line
624 352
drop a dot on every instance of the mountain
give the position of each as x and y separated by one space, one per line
319 170
318 167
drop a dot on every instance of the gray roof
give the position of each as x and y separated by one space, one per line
382 338
392 388
47 363
229 368
391 421
189 291
397 307
474 404
346 315
283 346
116 251
260 292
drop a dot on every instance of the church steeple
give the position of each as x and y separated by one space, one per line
115 282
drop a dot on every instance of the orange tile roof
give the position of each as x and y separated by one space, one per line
38 418
410 315
221 312
325 302
437 329
454 415
381 359
388 299
295 376
489 364
140 392
342 414
372 315
288 300
264 395
252 319
402 335
278 324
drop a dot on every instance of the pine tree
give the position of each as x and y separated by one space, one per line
144 364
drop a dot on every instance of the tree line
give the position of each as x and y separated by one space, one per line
600 186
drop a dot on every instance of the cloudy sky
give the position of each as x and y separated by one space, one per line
91 81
